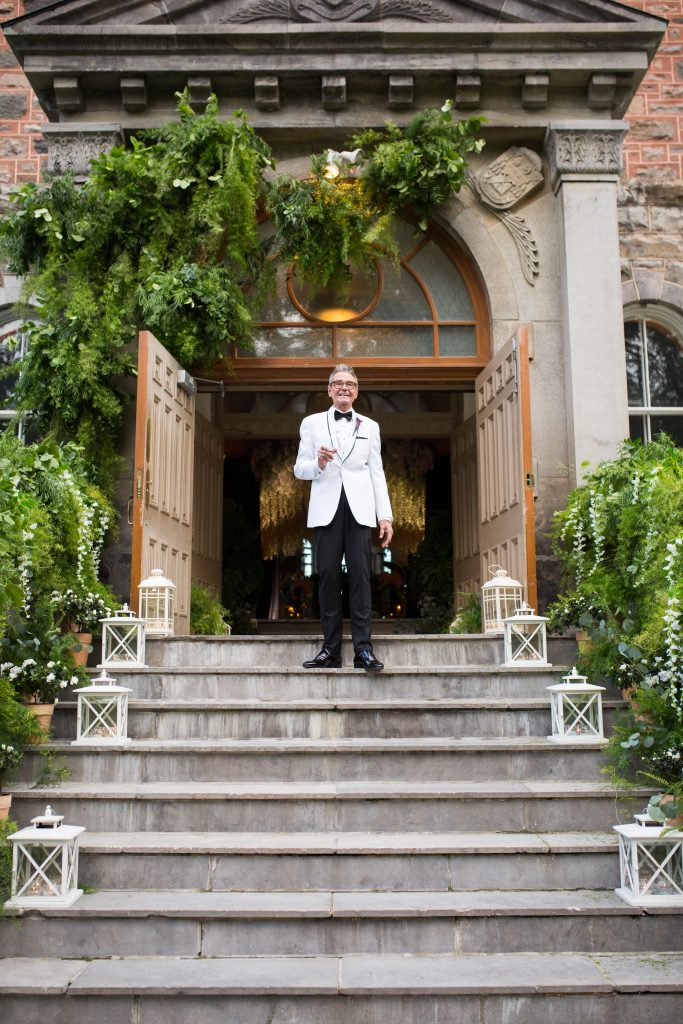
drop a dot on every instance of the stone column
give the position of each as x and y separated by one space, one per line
72 145
585 161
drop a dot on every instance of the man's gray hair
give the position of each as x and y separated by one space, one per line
342 368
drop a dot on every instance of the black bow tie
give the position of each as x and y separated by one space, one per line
343 415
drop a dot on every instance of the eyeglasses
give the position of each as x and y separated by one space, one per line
339 384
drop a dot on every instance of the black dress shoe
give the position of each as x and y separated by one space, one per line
325 659
368 661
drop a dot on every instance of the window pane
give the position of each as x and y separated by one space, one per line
446 286
336 304
457 341
636 427
10 351
665 367
634 362
282 342
402 297
671 425
407 236
385 341
278 306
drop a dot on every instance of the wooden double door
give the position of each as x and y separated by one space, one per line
178 478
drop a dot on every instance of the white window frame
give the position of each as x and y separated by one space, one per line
672 322
13 330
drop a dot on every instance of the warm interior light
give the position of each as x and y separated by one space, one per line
336 315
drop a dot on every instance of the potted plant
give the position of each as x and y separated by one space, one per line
39 667
17 728
79 612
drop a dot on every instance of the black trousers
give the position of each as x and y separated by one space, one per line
344 537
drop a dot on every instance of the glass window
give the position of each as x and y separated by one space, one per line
426 297
653 337
12 347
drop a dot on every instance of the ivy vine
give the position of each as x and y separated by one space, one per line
162 235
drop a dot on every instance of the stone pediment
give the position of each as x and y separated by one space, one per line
214 13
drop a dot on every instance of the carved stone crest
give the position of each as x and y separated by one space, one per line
514 175
334 10
338 10
508 179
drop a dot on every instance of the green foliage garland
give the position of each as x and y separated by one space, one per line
413 170
327 226
162 235
620 540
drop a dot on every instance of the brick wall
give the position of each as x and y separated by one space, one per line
654 146
22 149
651 199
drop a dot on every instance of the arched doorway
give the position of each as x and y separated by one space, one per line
417 334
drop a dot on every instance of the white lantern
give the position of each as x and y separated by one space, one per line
524 638
651 863
123 640
102 712
157 597
576 708
45 863
500 598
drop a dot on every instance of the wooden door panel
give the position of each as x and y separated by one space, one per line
506 491
466 566
164 468
207 515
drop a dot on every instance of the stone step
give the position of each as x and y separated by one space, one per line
402 861
258 683
292 651
173 720
603 988
509 806
212 924
311 760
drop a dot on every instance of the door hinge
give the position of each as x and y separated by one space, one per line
530 480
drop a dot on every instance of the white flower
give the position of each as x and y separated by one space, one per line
74 680
49 677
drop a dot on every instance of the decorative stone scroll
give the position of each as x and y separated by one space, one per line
71 147
508 179
338 10
574 149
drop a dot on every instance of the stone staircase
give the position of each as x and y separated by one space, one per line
284 846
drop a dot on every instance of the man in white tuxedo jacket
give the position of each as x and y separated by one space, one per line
340 453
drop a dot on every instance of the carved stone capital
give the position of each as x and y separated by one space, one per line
578 150
71 147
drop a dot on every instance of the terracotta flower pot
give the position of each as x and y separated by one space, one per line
5 804
43 713
80 651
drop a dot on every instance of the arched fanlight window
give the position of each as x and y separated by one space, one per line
430 308
654 371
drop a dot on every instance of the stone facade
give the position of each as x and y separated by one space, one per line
539 218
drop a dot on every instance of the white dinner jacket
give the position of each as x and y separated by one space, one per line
360 471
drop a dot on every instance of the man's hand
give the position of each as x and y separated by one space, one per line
325 455
386 532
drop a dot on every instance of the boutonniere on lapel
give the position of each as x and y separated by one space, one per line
357 425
